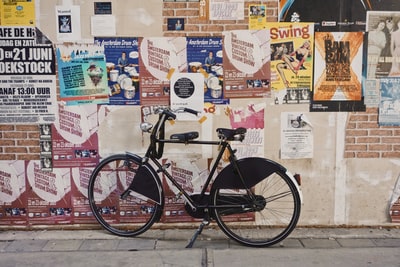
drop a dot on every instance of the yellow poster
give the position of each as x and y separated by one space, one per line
291 61
257 18
17 13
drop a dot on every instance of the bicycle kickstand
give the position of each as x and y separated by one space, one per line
197 233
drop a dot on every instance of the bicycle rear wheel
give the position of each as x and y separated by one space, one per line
137 211
262 222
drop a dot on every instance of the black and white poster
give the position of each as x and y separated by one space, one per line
27 76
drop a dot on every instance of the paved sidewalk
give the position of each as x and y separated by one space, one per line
304 247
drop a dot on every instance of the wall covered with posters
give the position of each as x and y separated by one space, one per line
321 99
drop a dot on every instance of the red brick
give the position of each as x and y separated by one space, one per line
7 127
186 12
168 13
369 140
354 147
34 150
7 142
371 110
28 157
212 28
379 147
8 157
367 125
349 155
28 142
367 154
351 125
15 135
391 154
358 117
236 27
356 132
27 128
34 135
391 140
15 149
380 132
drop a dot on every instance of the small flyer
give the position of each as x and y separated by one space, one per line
17 13
187 91
389 105
297 140
257 17
68 21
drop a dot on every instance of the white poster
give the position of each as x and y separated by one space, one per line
296 136
187 91
226 9
68 23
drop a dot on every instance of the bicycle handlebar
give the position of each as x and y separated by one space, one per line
171 113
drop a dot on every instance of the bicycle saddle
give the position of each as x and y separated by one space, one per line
185 136
231 134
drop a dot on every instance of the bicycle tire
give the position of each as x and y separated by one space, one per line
138 212
273 220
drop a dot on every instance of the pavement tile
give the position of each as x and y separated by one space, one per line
134 244
355 242
99 245
387 242
4 244
289 243
169 244
25 245
319 243
63 245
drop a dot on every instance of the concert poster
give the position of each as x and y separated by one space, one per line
291 61
338 78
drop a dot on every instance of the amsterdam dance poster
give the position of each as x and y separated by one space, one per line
337 79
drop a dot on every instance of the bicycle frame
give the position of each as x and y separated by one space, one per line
224 145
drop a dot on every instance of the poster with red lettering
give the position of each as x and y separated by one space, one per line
74 137
246 64
291 61
13 201
81 212
159 58
48 194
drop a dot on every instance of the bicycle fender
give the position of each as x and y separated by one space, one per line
255 169
150 188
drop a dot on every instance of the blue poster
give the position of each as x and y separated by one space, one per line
204 55
122 62
81 72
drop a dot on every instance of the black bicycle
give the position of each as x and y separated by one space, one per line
254 200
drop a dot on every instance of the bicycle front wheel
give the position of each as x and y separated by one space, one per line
122 212
264 219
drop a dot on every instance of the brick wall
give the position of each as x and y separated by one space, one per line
19 142
197 27
366 139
